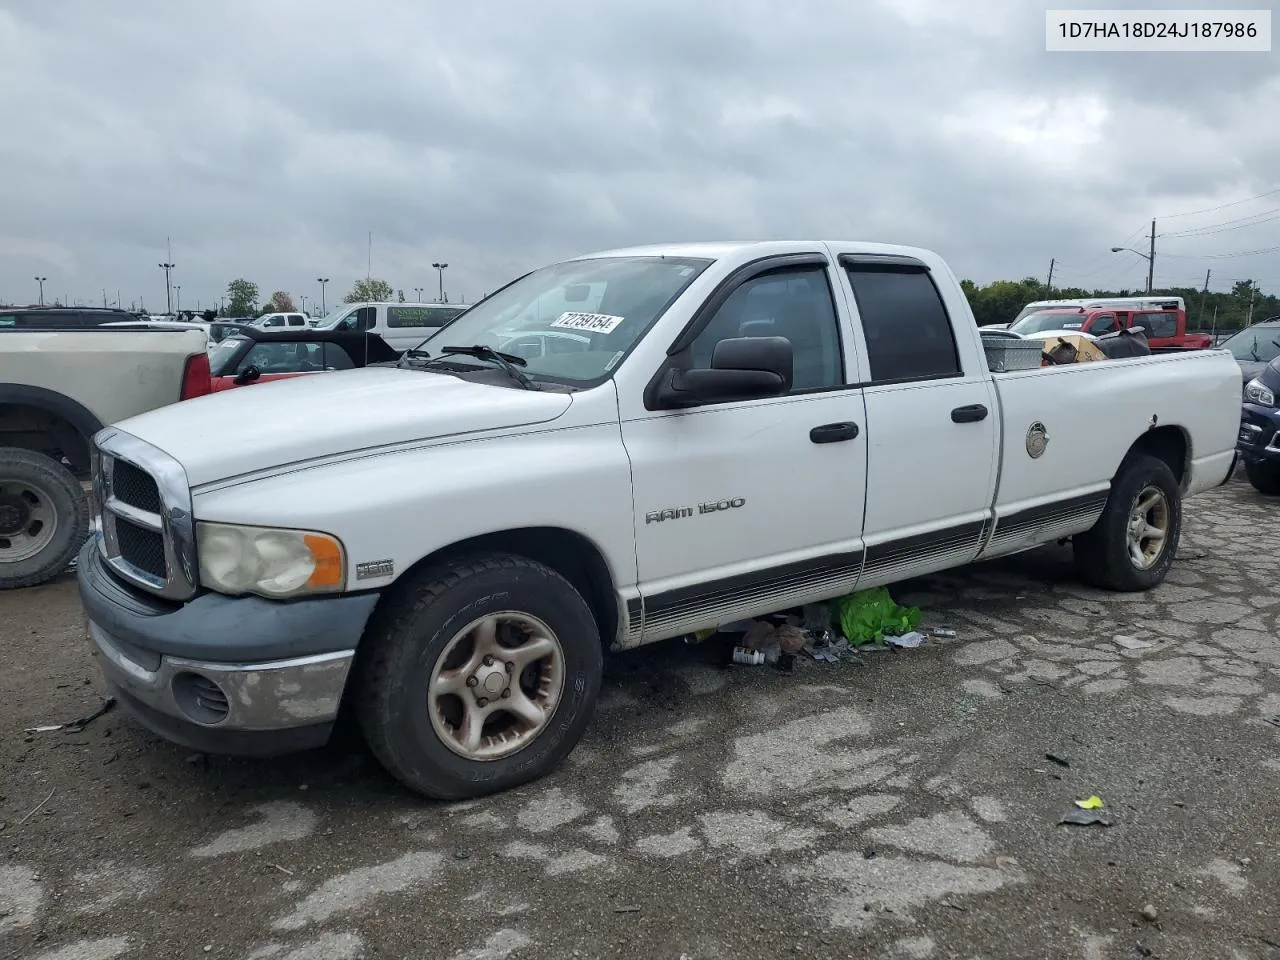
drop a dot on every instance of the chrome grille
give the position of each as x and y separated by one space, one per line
145 529
134 487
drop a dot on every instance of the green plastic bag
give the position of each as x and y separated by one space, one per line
870 615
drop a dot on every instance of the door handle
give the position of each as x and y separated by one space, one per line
970 414
833 432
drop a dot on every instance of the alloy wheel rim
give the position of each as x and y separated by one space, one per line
496 685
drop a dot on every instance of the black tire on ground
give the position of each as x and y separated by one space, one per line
40 481
1102 555
410 633
1265 477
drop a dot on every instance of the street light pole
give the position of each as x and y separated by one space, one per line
440 269
168 290
1149 257
322 281
179 289
41 280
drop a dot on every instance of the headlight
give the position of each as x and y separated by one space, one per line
1255 392
271 563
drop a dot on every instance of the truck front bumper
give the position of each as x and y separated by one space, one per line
223 674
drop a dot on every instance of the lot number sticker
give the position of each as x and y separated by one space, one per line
590 322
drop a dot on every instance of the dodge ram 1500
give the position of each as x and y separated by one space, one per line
448 545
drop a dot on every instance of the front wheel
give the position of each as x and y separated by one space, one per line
479 677
1265 477
1134 542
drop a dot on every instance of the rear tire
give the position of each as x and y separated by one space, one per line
44 517
478 676
1134 542
1265 478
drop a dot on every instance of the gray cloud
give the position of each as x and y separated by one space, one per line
268 139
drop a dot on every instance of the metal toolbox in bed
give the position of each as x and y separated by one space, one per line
1005 353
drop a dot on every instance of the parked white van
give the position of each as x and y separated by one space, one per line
402 325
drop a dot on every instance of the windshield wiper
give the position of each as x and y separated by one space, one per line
508 361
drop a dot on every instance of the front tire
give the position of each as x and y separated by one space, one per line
478 677
1265 477
1134 542
44 517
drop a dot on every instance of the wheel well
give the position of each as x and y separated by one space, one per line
1168 444
570 554
34 428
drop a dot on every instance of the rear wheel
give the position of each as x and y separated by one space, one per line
479 677
1134 542
44 517
1265 477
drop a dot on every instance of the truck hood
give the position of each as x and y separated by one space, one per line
273 424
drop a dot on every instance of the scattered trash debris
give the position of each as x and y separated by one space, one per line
284 870
748 657
1086 818
945 632
869 615
1274 721
786 662
869 853
907 640
75 726
1060 761
1150 913
1093 803
37 807
627 909
1131 643
791 639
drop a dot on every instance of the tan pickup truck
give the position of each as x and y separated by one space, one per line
58 388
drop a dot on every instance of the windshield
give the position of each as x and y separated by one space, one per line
573 321
330 319
1259 344
223 353
1048 320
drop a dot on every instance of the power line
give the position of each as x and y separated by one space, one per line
1222 256
1221 206
1240 224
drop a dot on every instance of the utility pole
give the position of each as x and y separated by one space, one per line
322 281
179 295
368 272
1204 296
1048 287
1151 258
1253 292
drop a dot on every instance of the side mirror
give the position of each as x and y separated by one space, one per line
247 375
742 368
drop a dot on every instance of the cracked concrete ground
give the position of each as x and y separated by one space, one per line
899 807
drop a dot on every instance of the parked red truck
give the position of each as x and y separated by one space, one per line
1163 319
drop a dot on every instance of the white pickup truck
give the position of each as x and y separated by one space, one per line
449 545
402 325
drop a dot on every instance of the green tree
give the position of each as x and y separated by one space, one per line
242 298
281 302
369 291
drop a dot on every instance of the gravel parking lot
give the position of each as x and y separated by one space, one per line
903 806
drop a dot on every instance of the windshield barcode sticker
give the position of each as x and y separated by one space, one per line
591 322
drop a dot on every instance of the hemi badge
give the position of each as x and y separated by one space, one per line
375 568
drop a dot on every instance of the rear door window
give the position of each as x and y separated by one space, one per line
905 323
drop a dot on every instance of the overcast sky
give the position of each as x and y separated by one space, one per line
267 138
